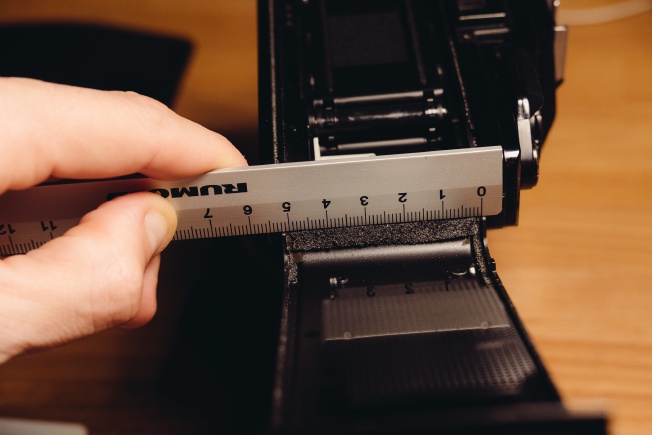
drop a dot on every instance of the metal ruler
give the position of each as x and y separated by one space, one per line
278 198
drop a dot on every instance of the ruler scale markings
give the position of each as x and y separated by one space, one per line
323 194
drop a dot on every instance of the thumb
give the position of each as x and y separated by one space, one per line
100 274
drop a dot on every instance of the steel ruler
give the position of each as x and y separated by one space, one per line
278 198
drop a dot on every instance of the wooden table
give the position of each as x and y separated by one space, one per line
577 267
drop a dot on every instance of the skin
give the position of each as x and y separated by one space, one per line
103 272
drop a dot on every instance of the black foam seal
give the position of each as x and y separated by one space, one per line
379 235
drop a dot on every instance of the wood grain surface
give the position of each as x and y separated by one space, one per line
577 267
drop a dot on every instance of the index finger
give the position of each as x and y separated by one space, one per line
64 131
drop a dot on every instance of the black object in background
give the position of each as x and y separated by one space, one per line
98 57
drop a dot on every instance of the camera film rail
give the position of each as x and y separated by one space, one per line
277 198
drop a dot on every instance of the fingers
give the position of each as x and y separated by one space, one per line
103 272
68 132
148 303
100 274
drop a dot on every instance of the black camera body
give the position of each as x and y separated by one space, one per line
406 327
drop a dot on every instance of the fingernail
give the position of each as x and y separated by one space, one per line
157 230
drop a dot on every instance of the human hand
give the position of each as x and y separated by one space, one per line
103 272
